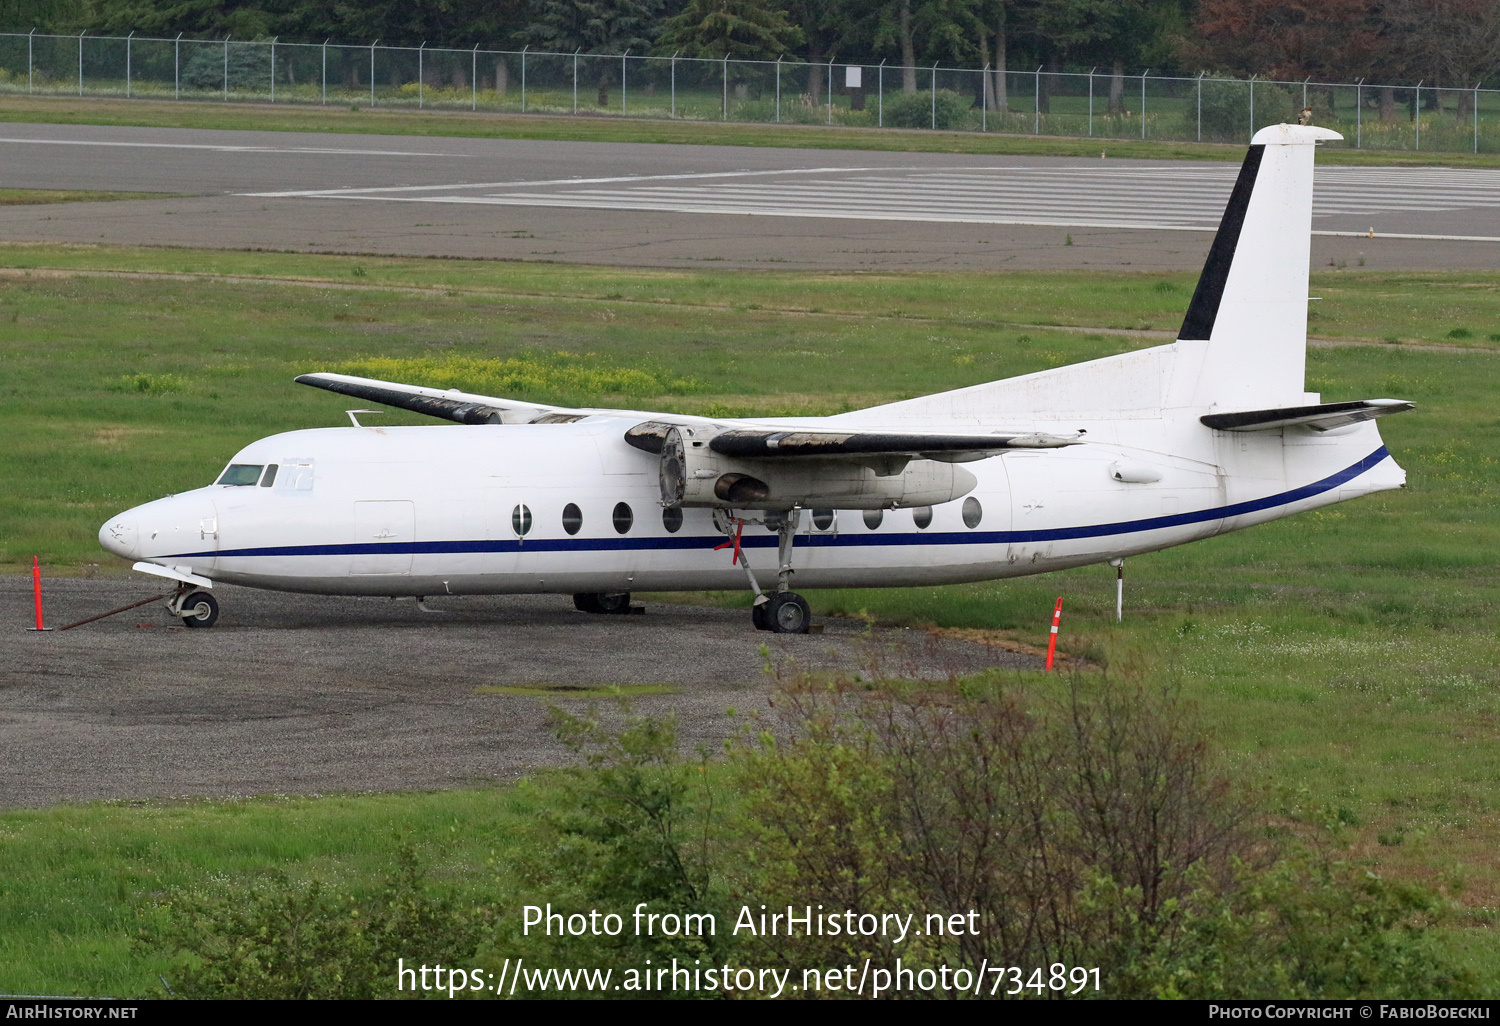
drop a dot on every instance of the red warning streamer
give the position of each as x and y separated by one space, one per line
1052 638
738 530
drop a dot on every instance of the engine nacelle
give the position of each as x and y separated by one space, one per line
692 474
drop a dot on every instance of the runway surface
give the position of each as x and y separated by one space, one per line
673 206
309 694
1180 198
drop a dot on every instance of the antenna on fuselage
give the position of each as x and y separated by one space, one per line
1119 565
355 420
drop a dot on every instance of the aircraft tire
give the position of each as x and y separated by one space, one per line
788 613
758 615
200 609
615 605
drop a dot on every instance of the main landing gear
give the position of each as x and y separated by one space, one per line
196 608
782 611
617 604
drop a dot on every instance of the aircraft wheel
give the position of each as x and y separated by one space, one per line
617 605
758 615
200 609
788 613
595 602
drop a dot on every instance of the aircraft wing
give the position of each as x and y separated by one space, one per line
743 441
447 404
782 443
1324 417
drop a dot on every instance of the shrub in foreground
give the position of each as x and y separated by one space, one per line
280 938
1094 831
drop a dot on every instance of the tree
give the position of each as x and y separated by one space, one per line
1452 42
745 29
927 31
596 27
1062 28
828 27
1287 39
993 12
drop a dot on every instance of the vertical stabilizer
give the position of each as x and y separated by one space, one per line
1250 307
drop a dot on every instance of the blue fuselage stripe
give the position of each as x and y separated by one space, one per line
817 540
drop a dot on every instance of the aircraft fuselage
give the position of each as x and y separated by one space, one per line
571 508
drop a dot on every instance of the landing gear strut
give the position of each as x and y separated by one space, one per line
782 611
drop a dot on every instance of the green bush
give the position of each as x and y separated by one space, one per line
1094 831
280 938
639 825
1226 109
922 109
249 68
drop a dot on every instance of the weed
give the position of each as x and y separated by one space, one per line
154 384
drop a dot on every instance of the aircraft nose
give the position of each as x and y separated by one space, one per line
121 536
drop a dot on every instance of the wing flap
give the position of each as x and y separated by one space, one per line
1324 417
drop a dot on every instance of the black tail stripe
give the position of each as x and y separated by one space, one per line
1199 322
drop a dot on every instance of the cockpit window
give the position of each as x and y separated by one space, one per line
270 477
241 474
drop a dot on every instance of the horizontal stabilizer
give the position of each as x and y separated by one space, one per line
773 443
445 404
1324 417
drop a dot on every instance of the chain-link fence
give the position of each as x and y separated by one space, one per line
1040 102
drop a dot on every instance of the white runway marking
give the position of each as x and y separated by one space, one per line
1172 198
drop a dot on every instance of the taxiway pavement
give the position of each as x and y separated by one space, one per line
311 694
683 206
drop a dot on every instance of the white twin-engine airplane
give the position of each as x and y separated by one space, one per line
1082 464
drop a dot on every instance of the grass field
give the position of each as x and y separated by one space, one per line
1344 660
404 121
32 197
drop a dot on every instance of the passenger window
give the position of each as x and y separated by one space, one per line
823 519
520 521
572 518
973 512
624 517
270 477
873 517
241 474
671 519
922 517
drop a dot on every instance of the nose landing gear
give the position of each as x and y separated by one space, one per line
196 608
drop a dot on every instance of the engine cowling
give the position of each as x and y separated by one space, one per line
694 475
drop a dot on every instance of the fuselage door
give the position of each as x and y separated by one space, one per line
208 537
383 536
